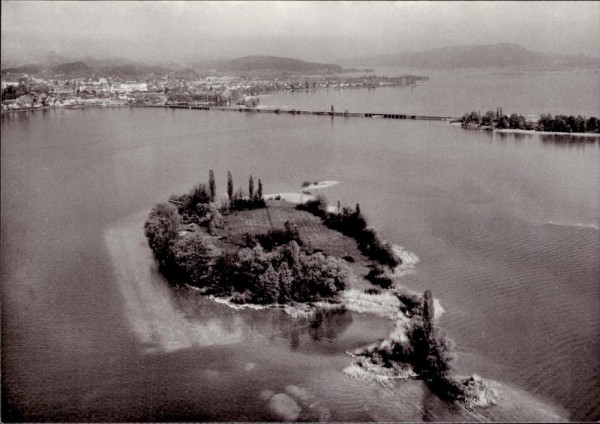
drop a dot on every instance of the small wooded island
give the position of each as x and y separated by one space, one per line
252 250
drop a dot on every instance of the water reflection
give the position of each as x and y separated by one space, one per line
571 140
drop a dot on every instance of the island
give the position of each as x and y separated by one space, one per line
276 251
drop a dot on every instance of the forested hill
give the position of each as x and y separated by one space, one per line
274 63
122 68
501 55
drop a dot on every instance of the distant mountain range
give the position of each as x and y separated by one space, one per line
502 56
269 63
479 56
123 68
114 68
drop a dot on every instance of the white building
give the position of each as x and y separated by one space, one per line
129 87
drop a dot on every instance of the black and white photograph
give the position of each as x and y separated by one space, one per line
311 211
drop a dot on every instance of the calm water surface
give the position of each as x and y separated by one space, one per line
456 92
506 229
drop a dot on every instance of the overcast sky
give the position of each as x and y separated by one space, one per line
322 31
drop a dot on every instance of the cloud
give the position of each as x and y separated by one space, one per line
313 30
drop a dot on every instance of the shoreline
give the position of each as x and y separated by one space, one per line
529 132
68 107
554 133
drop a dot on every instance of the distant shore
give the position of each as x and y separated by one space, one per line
74 106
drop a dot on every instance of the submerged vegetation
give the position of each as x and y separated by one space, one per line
248 250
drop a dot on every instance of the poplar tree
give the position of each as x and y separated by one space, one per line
229 185
251 188
259 192
428 312
211 185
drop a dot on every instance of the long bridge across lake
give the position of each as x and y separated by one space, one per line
309 112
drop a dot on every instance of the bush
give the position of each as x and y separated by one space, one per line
411 302
317 206
275 238
380 277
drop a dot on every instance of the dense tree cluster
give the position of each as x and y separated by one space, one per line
351 223
564 123
558 123
280 276
270 269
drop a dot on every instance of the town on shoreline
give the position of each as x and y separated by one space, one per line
24 91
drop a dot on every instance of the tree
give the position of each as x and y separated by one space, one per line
513 121
259 192
357 209
503 123
295 249
428 311
251 188
286 281
229 185
488 118
211 185
200 194
161 230
269 285
193 258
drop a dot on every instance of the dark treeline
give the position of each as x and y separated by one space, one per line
558 123
352 223
267 268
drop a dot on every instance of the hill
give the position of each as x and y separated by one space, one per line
272 64
501 55
73 69
111 68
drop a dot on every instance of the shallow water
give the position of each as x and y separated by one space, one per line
90 331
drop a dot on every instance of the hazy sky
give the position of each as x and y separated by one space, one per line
307 30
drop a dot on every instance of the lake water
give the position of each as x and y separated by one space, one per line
454 93
505 226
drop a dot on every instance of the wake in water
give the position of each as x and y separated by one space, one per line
149 304
576 225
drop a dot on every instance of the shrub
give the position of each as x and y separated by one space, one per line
380 277
411 301
275 238
316 206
